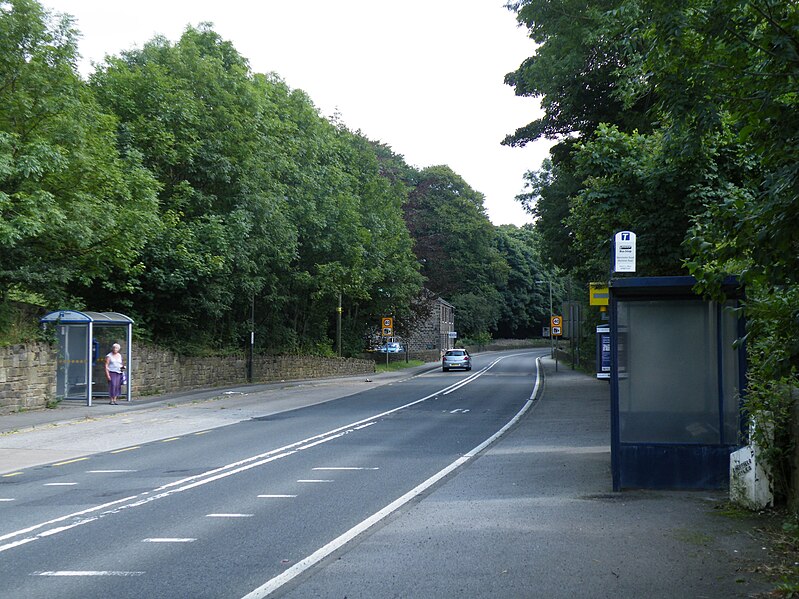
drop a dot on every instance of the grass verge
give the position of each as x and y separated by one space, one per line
394 366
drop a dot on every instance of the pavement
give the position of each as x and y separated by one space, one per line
533 516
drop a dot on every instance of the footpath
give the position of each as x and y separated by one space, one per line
533 516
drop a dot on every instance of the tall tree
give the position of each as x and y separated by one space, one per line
192 111
73 210
455 242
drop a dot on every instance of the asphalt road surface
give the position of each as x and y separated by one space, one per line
250 509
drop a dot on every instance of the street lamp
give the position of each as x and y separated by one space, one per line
551 337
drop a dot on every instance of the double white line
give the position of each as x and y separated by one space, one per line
300 567
70 521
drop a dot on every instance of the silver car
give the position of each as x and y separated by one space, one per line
456 358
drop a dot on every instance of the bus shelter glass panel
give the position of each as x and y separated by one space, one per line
72 368
668 373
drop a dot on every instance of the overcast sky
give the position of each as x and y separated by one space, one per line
423 76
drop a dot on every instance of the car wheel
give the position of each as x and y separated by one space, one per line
469 368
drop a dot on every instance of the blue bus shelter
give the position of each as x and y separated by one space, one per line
677 379
84 339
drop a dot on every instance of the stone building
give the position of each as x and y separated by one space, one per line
432 331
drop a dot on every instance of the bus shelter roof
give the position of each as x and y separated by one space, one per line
77 317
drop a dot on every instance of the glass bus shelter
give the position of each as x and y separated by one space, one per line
84 339
677 380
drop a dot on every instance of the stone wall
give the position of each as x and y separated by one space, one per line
27 377
28 372
156 371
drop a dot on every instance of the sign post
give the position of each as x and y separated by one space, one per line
556 328
388 331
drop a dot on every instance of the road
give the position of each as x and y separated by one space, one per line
249 509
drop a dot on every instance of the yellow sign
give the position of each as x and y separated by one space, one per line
388 327
599 294
556 325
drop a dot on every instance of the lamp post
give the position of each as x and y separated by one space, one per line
551 343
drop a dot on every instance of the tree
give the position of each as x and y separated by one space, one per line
74 211
192 110
524 306
455 242
577 69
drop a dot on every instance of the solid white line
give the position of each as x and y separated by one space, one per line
210 476
168 540
59 484
87 573
6 499
229 515
278 581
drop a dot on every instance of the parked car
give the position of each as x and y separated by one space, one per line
391 348
456 358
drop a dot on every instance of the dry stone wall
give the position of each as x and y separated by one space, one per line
27 377
28 372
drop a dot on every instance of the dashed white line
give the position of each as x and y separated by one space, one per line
204 478
229 515
2 499
303 565
313 480
108 471
343 468
276 496
59 484
168 540
87 573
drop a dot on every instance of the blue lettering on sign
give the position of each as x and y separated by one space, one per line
625 236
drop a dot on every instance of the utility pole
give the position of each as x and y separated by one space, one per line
338 325
251 356
551 336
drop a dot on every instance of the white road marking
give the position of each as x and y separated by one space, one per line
168 540
344 468
107 471
204 478
5 499
276 496
229 515
309 480
300 567
87 573
59 484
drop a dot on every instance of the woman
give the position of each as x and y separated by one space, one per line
114 366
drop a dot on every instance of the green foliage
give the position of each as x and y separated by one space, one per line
682 121
478 340
207 201
460 249
63 184
525 303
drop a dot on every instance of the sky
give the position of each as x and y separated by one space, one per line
422 76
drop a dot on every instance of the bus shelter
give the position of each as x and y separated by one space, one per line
677 379
84 339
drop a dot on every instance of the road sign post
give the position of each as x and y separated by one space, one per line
556 329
